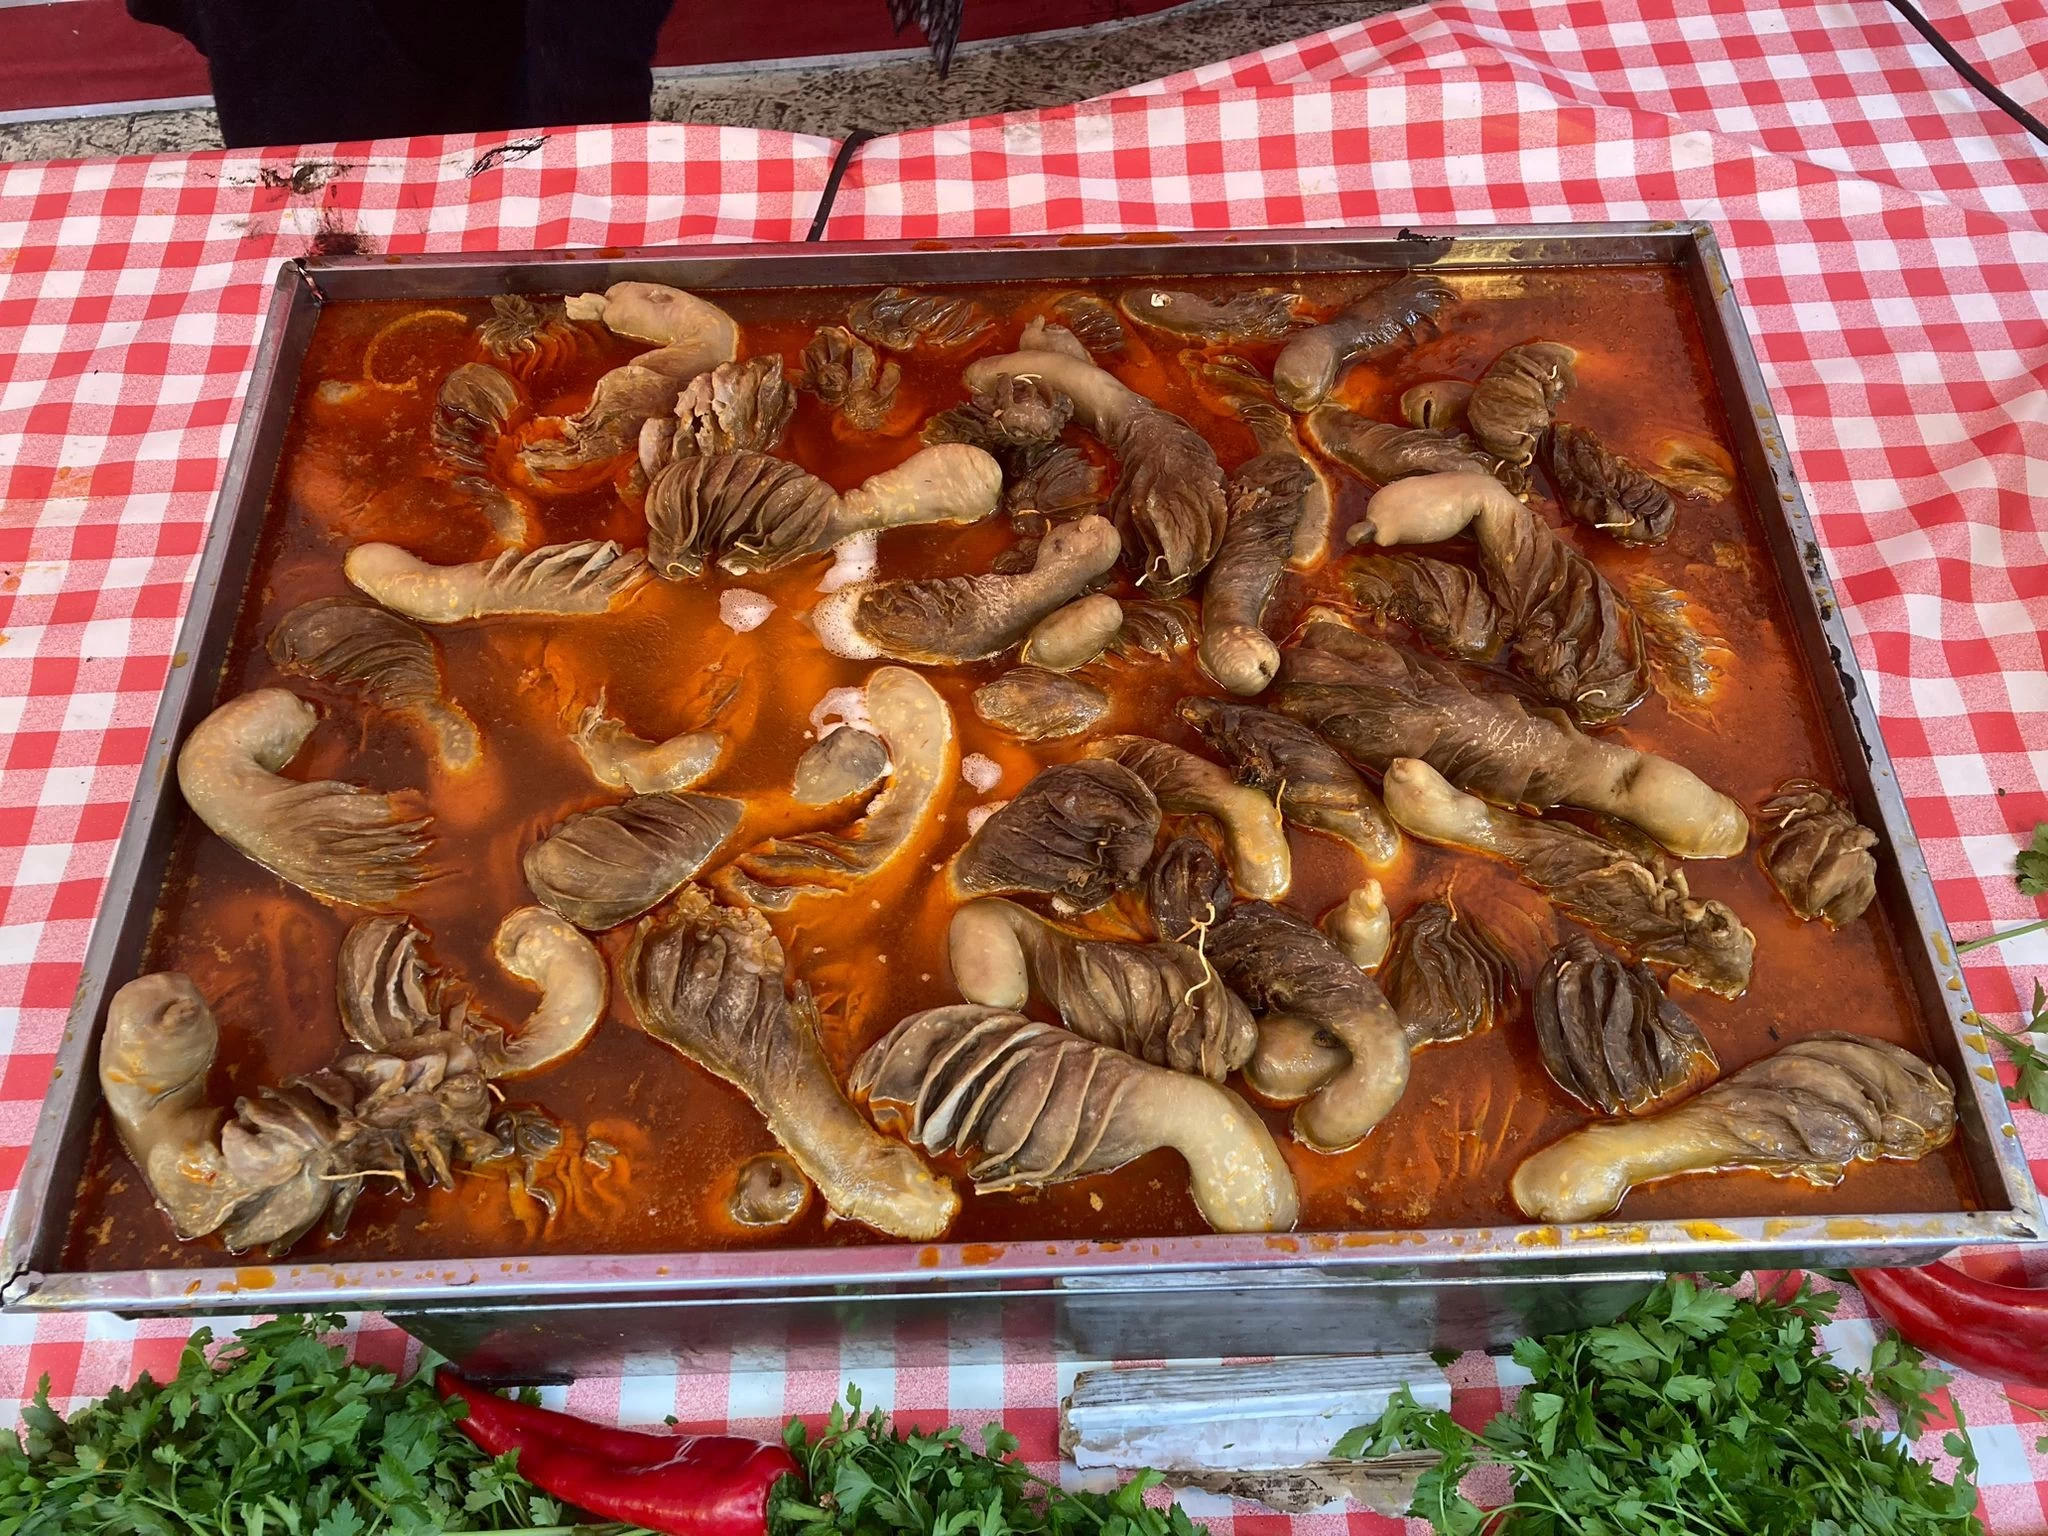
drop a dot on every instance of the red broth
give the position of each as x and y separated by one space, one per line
263 953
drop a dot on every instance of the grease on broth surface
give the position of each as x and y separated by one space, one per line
264 954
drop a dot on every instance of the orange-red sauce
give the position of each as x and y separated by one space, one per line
263 953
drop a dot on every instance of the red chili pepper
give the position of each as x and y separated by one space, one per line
684 1485
1999 1331
1778 1284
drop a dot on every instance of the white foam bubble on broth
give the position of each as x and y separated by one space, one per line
984 773
842 706
981 813
852 561
740 610
833 622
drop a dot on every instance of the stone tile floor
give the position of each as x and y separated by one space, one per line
883 96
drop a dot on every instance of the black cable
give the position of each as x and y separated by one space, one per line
848 148
1970 72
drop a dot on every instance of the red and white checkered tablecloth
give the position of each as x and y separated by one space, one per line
1888 235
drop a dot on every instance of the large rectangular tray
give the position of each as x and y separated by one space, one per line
1307 1291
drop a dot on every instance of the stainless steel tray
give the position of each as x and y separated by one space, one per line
1206 1295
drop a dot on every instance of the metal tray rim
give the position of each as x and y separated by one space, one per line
1565 1252
1567 1249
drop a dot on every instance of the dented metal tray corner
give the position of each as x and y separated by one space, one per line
1135 1280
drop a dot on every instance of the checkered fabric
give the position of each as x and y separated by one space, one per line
1888 235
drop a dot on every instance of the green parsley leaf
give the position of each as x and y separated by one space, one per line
2030 870
1901 1375
1697 1413
2030 1063
1700 1313
274 1434
2032 864
1351 1445
867 1477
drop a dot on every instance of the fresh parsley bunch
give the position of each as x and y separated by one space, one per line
278 1435
868 1478
1697 1414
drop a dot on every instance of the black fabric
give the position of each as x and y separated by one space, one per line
308 71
